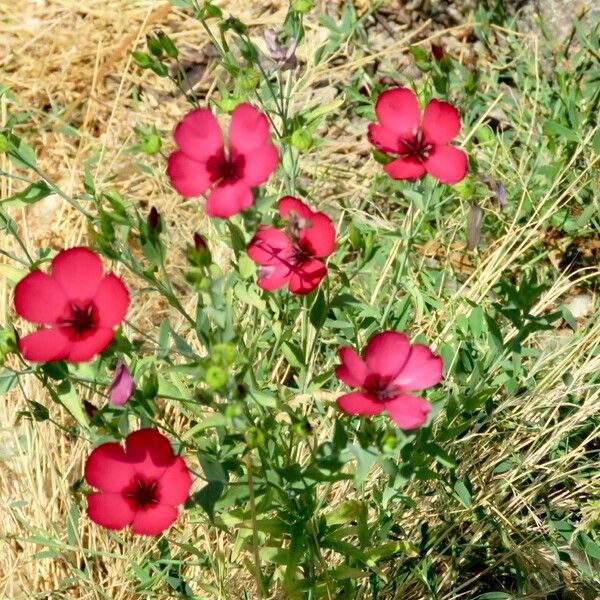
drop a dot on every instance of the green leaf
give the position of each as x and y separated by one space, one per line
319 310
30 195
67 395
553 129
208 496
8 380
463 494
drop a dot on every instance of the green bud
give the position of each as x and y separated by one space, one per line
198 279
215 377
484 133
255 438
249 79
465 188
167 44
302 6
227 102
154 45
390 442
233 410
302 428
224 354
4 143
302 139
151 144
150 385
199 254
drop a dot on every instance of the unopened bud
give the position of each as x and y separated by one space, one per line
154 221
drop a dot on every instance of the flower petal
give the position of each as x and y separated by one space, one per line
44 345
111 300
149 452
248 130
306 276
383 139
386 353
154 519
188 176
441 123
408 412
447 163
175 483
273 277
270 246
109 510
259 164
78 271
423 369
353 370
199 136
358 403
84 349
319 238
228 199
108 468
398 111
289 204
405 168
39 298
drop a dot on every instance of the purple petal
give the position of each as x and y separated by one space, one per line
122 385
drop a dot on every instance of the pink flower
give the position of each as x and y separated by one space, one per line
122 385
391 369
202 163
140 486
293 256
79 305
420 143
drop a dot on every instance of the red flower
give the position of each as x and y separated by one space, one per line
421 144
292 257
391 369
140 486
202 164
78 303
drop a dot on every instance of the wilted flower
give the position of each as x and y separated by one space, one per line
122 385
79 305
390 370
474 221
201 163
422 144
284 56
140 486
496 187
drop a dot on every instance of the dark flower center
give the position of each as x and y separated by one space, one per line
142 493
416 147
226 169
382 388
79 319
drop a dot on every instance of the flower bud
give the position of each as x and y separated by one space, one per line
255 438
302 139
150 384
438 52
302 6
199 255
154 220
122 386
215 377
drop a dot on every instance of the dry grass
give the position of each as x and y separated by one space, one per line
69 63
